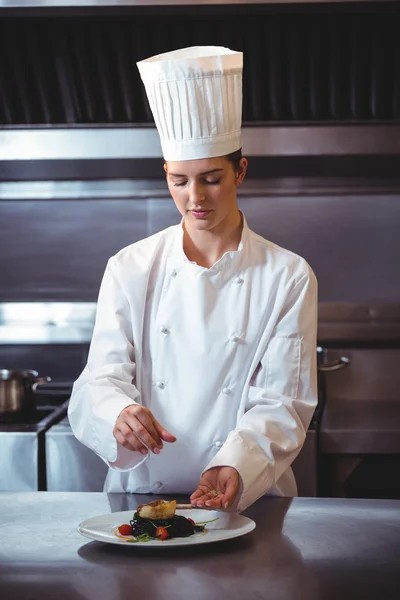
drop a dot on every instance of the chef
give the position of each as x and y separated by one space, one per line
201 374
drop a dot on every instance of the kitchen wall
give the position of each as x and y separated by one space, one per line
56 250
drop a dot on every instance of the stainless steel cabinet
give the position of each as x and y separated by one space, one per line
19 453
70 466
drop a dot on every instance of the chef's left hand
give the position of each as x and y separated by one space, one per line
217 488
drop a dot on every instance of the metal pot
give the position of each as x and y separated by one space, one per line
17 391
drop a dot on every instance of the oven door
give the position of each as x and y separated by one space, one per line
359 438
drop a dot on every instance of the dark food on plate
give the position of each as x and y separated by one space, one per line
157 520
176 526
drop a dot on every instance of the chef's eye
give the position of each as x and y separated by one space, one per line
213 181
180 183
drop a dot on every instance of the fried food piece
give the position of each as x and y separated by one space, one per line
158 509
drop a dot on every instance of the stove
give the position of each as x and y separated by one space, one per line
22 448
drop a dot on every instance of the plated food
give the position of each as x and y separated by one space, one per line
158 521
220 525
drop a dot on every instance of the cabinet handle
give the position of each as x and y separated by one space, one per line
335 365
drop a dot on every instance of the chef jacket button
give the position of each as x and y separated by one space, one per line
239 280
174 273
165 330
235 339
158 485
218 444
226 391
161 384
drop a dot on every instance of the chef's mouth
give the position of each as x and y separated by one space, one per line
200 214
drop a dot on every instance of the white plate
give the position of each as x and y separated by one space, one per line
228 526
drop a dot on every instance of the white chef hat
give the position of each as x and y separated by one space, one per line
195 95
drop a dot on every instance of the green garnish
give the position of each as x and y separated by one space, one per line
154 525
143 537
157 526
206 522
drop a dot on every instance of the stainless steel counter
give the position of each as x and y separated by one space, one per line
304 549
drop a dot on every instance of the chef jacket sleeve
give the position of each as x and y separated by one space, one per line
281 401
106 386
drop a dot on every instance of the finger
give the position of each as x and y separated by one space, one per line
147 420
125 437
214 499
131 440
199 500
199 497
202 490
144 436
227 500
123 442
197 494
163 433
137 417
214 504
230 494
126 424
141 432
135 442
208 498
205 502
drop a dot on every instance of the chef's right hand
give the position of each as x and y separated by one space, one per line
137 430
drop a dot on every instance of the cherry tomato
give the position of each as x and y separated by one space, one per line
161 533
125 529
190 520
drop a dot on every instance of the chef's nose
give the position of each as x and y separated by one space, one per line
197 194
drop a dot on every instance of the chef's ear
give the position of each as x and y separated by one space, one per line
165 167
242 170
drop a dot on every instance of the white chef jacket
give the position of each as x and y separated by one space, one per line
224 358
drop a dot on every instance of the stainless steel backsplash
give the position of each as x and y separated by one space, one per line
55 250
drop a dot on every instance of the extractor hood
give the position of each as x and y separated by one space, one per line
304 63
321 79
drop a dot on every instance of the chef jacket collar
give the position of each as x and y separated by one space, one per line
231 255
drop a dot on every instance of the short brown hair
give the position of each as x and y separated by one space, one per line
235 158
